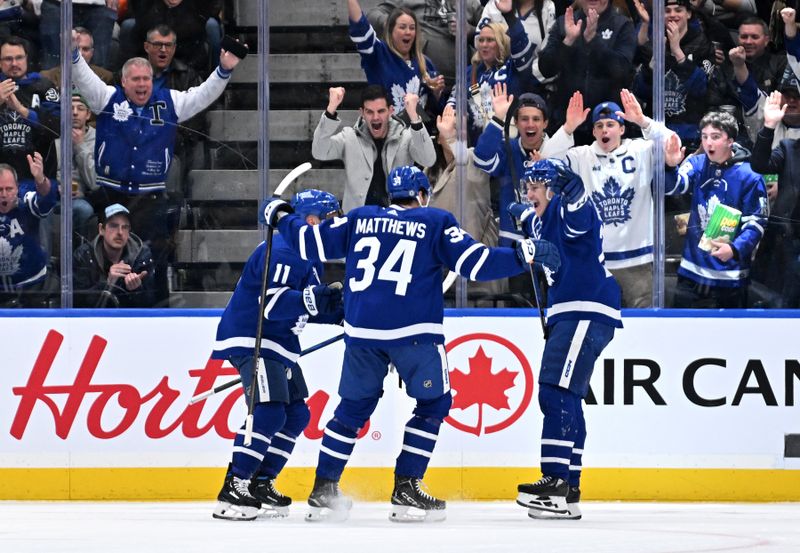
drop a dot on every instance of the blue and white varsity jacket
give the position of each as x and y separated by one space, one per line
134 144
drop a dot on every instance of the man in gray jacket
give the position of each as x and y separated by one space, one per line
376 144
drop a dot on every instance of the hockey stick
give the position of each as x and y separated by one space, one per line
234 382
446 284
448 281
290 177
512 168
258 362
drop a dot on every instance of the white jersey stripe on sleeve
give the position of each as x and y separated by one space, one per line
477 267
320 246
465 255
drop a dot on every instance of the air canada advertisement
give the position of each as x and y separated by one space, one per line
669 392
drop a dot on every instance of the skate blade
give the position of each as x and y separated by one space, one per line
574 513
273 512
325 514
550 503
228 511
404 513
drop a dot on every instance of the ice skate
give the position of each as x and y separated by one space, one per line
573 508
411 503
235 501
546 494
327 503
273 503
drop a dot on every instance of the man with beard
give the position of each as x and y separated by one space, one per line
370 149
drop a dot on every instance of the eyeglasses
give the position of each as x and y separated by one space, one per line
162 45
12 59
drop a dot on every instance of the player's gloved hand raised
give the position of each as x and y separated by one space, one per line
272 210
521 212
323 299
566 182
539 251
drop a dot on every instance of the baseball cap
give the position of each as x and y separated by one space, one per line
789 82
685 3
80 97
529 99
607 110
115 209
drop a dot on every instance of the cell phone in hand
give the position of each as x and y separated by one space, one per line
235 47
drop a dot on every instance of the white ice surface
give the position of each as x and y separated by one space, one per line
118 527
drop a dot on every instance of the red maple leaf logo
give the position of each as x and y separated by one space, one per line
480 386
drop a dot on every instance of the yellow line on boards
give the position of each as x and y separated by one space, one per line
375 484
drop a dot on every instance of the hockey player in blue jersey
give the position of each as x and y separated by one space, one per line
394 316
295 296
582 315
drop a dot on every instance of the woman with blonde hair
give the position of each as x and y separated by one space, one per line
396 62
503 54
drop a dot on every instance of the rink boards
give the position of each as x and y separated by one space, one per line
685 405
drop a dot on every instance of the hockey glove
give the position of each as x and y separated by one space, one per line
568 184
322 299
272 210
539 251
521 212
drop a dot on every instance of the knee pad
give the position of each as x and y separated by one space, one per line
297 417
268 418
437 408
354 413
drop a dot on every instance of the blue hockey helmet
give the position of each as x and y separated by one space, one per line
543 171
406 181
316 202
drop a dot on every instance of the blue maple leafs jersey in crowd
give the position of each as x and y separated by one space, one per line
735 185
285 314
393 268
23 262
582 288
384 67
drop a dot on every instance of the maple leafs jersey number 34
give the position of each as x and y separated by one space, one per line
398 265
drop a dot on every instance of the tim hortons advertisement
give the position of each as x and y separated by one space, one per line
673 392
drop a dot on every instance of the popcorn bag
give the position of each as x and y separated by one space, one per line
721 226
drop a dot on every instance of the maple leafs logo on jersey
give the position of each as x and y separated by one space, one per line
480 386
9 257
705 211
122 111
674 95
300 325
613 204
607 34
399 93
